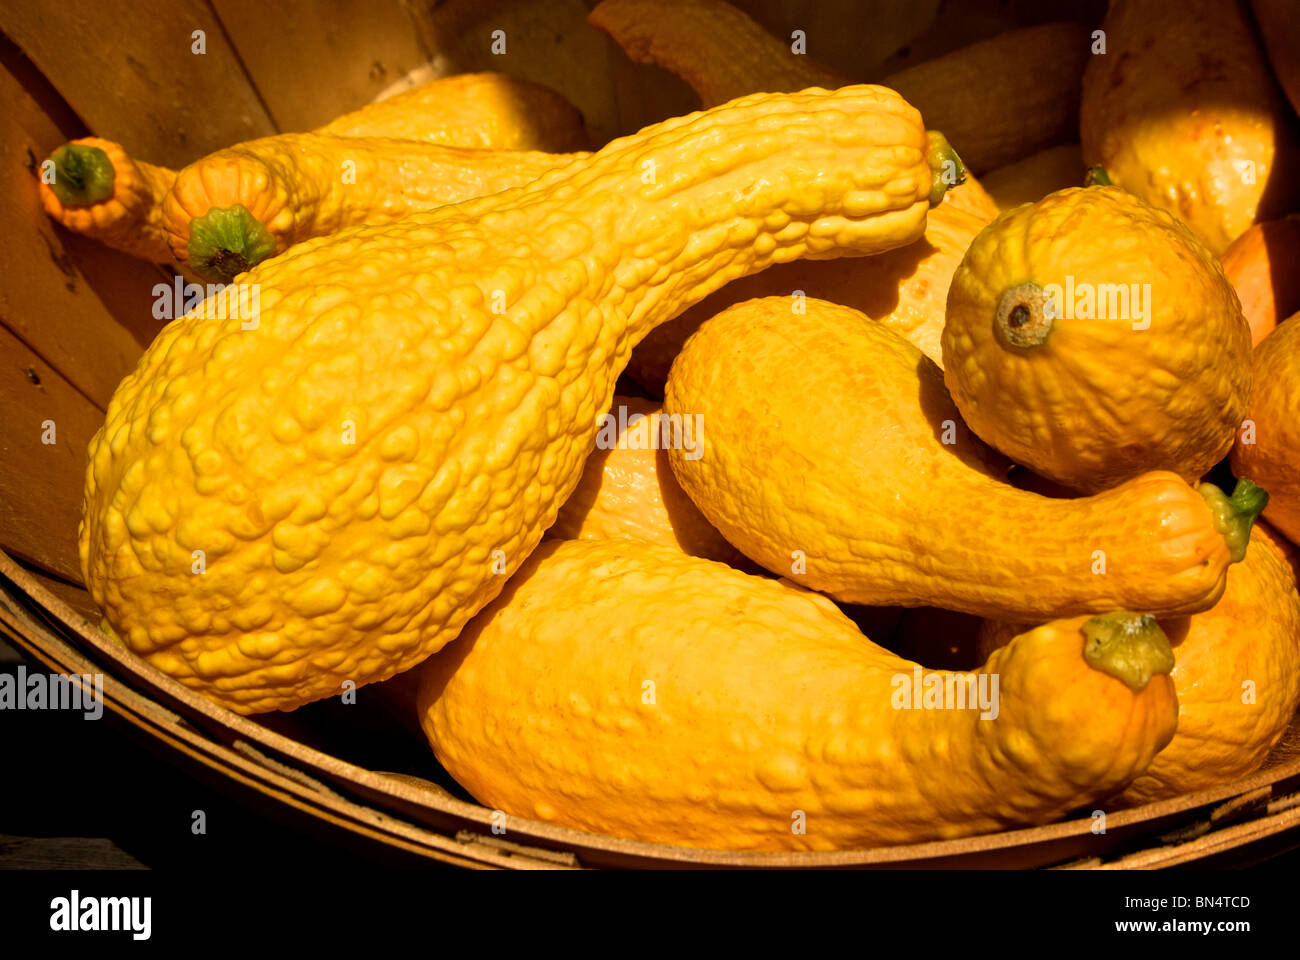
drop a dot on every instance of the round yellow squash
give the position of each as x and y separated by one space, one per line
628 689
1092 338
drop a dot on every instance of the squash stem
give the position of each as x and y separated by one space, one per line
226 241
1096 177
1235 515
946 168
83 175
1130 647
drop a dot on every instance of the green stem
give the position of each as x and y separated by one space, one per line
1235 515
83 175
1097 177
1130 647
946 168
226 241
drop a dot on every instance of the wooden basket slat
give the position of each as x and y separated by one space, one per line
40 483
129 72
312 60
47 301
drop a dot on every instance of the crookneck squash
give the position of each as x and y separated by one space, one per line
324 490
238 206
102 192
1236 672
624 688
904 289
834 456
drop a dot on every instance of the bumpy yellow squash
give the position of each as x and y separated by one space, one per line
1236 672
628 490
1092 337
904 289
237 206
103 193
327 491
834 456
627 689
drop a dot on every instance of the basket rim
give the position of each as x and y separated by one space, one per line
157 701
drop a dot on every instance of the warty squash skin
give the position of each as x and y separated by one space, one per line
997 100
1182 111
1268 445
128 215
1146 365
364 467
628 490
624 688
904 289
872 490
236 207
1236 672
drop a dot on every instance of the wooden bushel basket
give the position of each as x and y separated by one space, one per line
74 318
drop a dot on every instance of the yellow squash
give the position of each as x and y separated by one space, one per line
1181 110
102 192
234 208
833 455
997 100
1236 672
904 289
628 490
627 689
1268 445
327 488
1092 337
